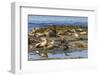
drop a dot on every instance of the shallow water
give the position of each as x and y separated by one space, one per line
59 55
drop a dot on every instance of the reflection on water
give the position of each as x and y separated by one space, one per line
59 55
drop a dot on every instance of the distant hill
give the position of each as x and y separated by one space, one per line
57 24
37 25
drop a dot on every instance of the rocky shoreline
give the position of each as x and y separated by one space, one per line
45 39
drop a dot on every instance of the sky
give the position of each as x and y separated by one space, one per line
51 19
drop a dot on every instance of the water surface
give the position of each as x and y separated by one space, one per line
63 55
